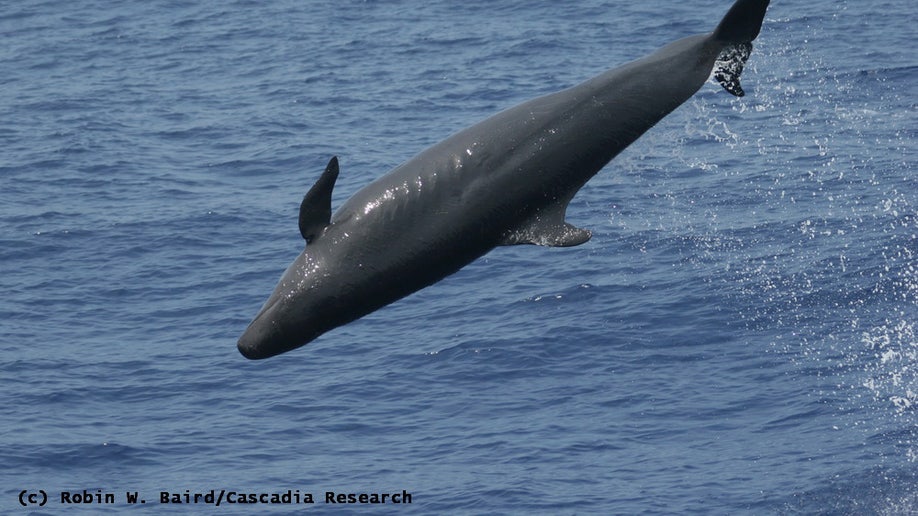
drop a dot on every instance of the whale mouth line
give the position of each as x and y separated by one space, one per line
250 352
274 331
251 346
256 336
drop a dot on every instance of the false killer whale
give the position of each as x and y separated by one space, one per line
504 181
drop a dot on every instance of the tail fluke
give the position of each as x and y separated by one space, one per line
739 27
742 22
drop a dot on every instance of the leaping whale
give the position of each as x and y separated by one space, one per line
504 181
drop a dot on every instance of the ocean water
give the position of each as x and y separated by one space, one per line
739 336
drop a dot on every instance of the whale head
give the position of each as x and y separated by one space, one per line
293 315
275 330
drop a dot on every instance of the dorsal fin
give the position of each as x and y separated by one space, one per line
315 210
547 227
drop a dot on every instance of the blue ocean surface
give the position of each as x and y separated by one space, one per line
740 335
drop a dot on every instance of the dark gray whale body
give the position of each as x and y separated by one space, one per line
506 180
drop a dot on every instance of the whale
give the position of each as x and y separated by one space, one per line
506 180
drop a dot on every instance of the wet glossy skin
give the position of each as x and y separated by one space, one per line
506 180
